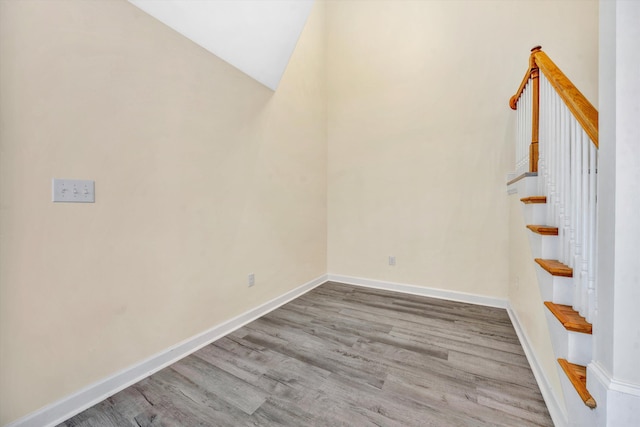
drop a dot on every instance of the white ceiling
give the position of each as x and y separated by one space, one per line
255 36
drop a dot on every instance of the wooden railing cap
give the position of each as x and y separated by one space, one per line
580 107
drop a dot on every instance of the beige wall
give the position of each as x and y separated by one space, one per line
202 177
420 141
419 131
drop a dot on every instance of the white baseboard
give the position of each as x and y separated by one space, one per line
555 406
421 290
69 406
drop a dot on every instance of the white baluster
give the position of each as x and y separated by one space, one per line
578 216
526 136
564 170
593 187
584 221
553 160
518 135
571 190
567 175
541 136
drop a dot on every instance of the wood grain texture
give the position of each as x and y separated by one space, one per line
577 375
545 230
584 112
344 356
570 319
513 101
534 153
535 115
555 267
534 199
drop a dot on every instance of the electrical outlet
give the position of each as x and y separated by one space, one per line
392 260
251 279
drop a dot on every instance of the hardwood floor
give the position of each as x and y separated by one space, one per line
344 356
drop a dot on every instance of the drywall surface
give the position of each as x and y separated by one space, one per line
616 332
627 182
418 134
257 36
202 176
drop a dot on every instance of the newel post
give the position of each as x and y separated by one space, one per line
535 110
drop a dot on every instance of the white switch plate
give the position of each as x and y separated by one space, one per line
251 279
73 191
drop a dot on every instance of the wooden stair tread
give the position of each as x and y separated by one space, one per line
577 374
570 318
545 230
555 267
534 199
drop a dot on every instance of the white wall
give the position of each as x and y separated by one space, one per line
202 177
419 136
614 374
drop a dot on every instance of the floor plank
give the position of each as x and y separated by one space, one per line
342 355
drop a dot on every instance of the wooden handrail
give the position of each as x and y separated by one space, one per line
513 102
584 112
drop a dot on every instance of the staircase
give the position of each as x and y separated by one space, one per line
556 178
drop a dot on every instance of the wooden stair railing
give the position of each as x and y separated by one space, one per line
557 141
532 74
578 104
562 151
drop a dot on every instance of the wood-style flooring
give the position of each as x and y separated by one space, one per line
344 356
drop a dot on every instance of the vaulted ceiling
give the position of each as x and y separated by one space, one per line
255 36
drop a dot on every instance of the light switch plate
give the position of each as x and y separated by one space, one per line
73 191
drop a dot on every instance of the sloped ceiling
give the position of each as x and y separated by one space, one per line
255 36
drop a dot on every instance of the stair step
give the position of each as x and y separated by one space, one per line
577 375
570 318
534 199
545 230
555 267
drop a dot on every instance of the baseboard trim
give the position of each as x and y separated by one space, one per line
618 401
421 290
554 405
69 406
605 379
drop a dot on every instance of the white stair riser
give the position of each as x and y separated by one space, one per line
556 289
535 213
527 187
580 346
545 247
573 346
